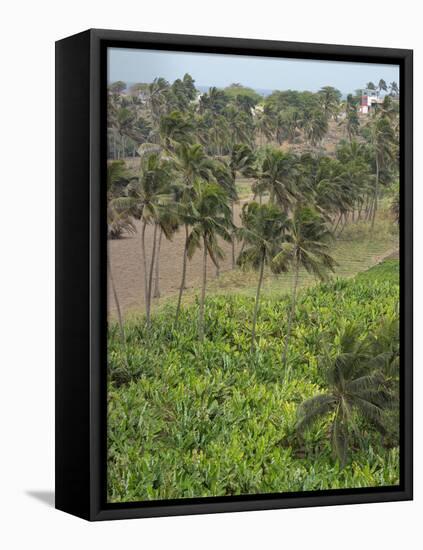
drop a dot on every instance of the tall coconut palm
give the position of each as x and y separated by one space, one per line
382 138
262 232
147 196
355 389
315 127
214 100
224 177
241 161
307 246
119 216
330 98
394 89
290 119
264 126
190 163
174 128
382 86
351 121
209 217
240 126
277 174
158 95
168 222
331 193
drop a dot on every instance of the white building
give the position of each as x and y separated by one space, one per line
369 98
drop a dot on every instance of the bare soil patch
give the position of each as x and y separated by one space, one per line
126 261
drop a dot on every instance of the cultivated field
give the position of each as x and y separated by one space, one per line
253 334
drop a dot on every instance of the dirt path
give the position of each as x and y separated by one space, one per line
126 262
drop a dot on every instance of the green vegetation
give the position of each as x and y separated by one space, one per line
253 383
200 419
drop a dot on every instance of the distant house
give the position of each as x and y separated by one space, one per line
369 98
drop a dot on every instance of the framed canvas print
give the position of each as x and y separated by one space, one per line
234 274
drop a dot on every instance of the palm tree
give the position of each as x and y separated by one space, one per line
395 204
242 161
330 100
277 174
264 126
382 138
127 122
224 177
355 388
213 132
306 246
316 127
158 99
382 86
174 128
214 100
147 196
291 122
351 121
263 230
168 222
331 192
393 86
209 216
119 216
190 163
240 126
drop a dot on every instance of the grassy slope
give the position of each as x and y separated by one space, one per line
201 420
354 252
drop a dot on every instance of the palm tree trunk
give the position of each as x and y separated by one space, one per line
256 305
366 207
156 293
150 275
233 236
369 209
144 261
337 223
242 248
375 197
184 272
203 293
119 312
343 225
291 313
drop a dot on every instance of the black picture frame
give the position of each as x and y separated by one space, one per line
81 273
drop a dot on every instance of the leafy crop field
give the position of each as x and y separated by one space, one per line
197 419
253 288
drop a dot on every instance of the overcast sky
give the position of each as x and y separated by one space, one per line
131 65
